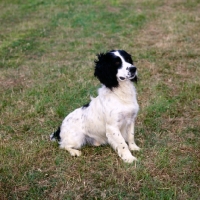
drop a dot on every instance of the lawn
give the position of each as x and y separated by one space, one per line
47 52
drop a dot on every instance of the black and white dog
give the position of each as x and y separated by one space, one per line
110 117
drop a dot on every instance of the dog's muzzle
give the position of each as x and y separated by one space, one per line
132 70
131 73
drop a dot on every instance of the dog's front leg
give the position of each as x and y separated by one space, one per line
118 143
131 141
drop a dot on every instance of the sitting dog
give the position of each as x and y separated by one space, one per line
110 117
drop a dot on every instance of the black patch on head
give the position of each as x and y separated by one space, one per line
106 67
127 57
86 105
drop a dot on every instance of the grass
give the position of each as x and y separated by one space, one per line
47 50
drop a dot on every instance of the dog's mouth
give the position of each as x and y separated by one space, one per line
125 78
122 78
132 77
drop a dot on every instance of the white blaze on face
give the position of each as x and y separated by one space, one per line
123 72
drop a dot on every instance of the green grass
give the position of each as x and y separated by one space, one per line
47 49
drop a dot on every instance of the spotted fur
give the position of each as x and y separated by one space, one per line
110 117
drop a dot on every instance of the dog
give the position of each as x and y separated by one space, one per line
110 117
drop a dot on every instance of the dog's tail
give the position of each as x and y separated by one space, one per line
56 135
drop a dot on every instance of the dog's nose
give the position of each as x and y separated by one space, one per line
132 69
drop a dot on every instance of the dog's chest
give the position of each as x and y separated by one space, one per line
127 114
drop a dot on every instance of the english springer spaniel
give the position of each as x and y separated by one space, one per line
110 117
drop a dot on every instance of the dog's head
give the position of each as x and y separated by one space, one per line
113 67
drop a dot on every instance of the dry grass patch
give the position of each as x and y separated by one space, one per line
47 52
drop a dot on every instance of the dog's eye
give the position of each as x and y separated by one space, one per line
117 63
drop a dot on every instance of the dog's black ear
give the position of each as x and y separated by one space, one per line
105 70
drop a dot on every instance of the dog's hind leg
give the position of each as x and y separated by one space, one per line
73 152
71 142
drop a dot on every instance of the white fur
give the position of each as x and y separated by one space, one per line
109 118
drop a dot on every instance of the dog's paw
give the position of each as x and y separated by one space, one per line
75 152
134 147
129 159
